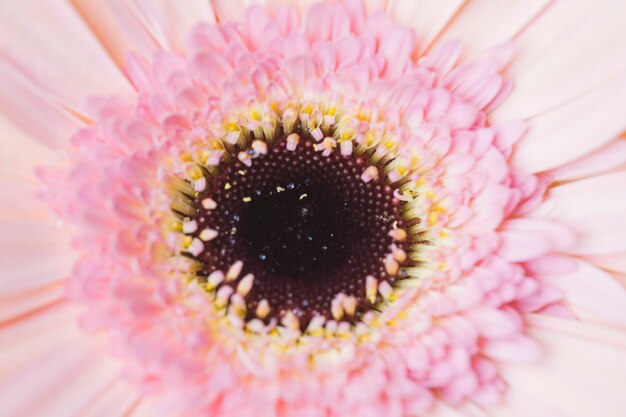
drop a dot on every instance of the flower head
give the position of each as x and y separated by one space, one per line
326 210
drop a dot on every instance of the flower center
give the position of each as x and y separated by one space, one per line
300 218
310 228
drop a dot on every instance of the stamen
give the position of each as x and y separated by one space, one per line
209 204
234 271
208 234
245 285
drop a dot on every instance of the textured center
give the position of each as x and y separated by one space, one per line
306 225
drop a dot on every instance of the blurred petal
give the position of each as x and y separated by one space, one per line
582 373
426 17
592 289
48 356
574 130
608 158
506 19
570 49
593 208
123 26
69 64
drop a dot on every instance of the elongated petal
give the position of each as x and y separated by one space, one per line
570 49
61 368
427 17
52 46
593 208
506 19
34 253
127 25
582 372
604 160
589 288
574 130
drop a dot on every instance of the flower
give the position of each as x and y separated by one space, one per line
325 209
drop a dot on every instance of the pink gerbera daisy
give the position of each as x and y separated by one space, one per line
302 208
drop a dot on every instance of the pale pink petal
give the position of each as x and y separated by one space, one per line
118 28
19 186
605 159
594 209
117 400
518 404
54 48
34 253
567 51
63 370
32 110
506 19
142 25
33 335
32 302
426 17
612 262
144 409
230 10
19 154
592 289
525 239
574 130
582 372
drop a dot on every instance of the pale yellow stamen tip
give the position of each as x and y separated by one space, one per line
237 306
260 147
385 290
222 295
336 307
399 255
189 226
215 278
349 305
391 266
234 271
199 185
292 141
208 234
290 321
245 158
371 173
316 324
209 204
263 309
398 235
245 285
195 247
371 288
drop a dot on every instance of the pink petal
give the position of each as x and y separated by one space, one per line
519 348
505 21
493 323
45 356
573 130
581 375
594 209
426 17
34 253
117 400
609 157
526 239
554 65
592 289
70 64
